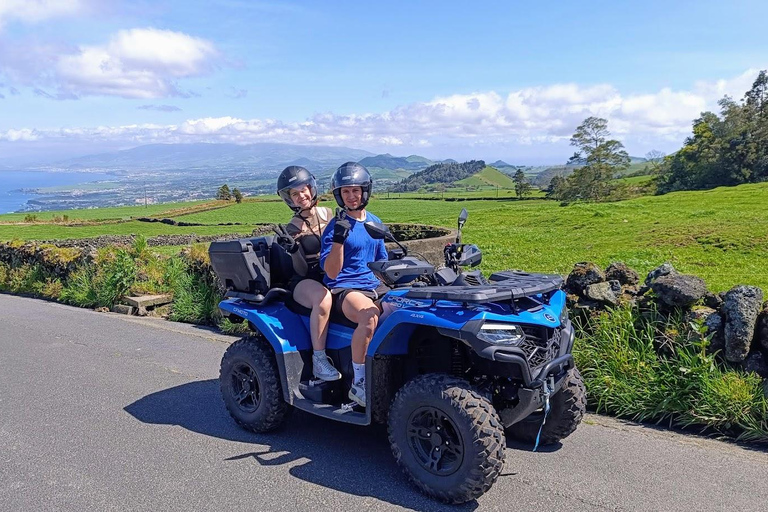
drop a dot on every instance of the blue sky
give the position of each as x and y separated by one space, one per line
490 80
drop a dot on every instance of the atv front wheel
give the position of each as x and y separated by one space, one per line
250 385
567 408
446 437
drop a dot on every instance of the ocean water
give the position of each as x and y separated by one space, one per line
11 200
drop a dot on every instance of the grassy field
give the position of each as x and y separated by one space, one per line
720 235
489 176
636 180
118 213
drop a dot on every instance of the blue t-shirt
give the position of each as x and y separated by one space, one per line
359 249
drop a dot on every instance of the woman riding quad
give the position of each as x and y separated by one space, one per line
301 238
347 248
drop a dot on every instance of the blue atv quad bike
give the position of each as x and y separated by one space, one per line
457 361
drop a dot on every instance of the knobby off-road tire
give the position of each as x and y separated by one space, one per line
442 412
250 385
567 408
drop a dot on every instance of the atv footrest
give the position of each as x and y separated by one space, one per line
341 413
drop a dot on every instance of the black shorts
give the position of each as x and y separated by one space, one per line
296 279
339 294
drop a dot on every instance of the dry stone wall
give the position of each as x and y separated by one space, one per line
736 320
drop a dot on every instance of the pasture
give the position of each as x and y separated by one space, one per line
720 235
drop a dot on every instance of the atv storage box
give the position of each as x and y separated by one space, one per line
243 265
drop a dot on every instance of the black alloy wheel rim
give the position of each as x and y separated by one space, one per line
435 441
245 387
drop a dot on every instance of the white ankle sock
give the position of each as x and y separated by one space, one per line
359 372
320 354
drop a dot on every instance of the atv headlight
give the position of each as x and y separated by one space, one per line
563 315
501 334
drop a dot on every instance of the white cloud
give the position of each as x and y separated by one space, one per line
33 11
136 63
527 117
140 63
25 134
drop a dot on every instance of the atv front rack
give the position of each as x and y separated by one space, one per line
508 285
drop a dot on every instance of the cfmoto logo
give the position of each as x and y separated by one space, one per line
549 317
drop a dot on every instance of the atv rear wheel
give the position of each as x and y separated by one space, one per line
250 385
446 437
567 408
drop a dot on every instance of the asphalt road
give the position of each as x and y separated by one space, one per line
104 412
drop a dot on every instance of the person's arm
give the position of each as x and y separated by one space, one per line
332 254
326 246
335 261
381 251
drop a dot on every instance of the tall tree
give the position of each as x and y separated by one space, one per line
601 157
556 187
654 159
522 186
224 194
237 195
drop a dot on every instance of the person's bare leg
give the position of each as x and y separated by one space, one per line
314 295
361 310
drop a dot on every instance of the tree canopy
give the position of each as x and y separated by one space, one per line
599 157
726 149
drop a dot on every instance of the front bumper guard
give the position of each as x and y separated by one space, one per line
531 396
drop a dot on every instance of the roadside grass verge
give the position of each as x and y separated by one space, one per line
654 368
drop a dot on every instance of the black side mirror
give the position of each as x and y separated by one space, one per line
378 231
463 217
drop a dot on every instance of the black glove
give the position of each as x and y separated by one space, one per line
285 240
341 229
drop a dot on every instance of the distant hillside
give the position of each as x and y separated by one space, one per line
445 173
262 157
387 161
488 176
543 178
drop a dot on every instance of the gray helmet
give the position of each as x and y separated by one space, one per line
352 174
295 176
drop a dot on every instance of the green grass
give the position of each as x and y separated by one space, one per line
489 176
628 375
720 235
53 231
636 167
636 180
116 213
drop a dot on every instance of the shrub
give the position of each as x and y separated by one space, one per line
80 289
195 291
51 289
115 277
651 367
4 272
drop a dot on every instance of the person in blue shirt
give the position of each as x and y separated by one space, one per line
346 250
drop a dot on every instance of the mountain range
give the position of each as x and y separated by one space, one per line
235 157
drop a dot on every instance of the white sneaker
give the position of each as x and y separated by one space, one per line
357 392
323 369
